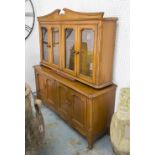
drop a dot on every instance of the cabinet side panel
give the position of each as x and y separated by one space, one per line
103 108
40 86
36 82
107 52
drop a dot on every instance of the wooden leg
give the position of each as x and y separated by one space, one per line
90 145
90 141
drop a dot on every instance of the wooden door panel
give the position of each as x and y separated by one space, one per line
52 92
79 110
55 43
65 104
86 59
44 44
69 39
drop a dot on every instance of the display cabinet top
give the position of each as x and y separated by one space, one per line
67 14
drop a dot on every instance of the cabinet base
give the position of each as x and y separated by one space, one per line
85 109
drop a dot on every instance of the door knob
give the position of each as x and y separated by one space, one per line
48 46
76 52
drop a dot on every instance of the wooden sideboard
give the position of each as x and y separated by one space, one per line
74 77
86 109
79 45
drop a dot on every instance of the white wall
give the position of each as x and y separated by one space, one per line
118 8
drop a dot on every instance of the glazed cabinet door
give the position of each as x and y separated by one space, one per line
41 86
69 40
55 42
79 111
86 59
52 95
65 103
44 44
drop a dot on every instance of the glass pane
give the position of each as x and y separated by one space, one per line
55 45
69 48
86 52
44 43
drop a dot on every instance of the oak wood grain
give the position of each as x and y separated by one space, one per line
103 47
86 109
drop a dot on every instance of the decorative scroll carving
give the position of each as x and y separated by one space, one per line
70 15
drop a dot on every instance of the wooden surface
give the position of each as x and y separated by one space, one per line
86 109
104 42
72 94
70 15
78 86
108 32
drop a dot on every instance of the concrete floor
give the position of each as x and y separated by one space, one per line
60 139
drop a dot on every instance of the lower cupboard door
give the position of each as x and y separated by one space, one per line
79 111
65 104
52 95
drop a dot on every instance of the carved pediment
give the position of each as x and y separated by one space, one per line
68 14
